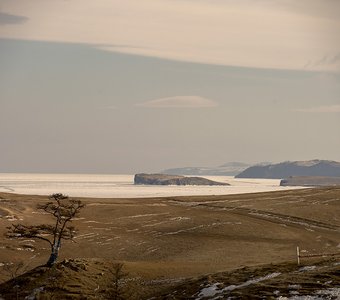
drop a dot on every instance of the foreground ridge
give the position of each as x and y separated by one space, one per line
94 279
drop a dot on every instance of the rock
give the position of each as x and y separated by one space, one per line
164 179
73 264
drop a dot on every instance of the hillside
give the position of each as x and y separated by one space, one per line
96 279
170 243
321 280
325 168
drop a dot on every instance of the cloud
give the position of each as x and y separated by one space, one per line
6 19
180 102
320 109
280 34
326 60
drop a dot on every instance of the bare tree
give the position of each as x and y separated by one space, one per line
12 270
63 210
123 286
117 290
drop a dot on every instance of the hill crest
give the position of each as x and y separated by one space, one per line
325 168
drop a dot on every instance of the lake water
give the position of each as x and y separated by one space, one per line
121 186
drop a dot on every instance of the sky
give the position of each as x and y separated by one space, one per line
127 86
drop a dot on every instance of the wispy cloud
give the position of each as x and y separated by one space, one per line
320 109
288 33
326 60
179 102
6 19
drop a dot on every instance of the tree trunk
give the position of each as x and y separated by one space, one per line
54 256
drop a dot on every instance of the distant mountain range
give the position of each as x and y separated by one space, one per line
284 170
228 169
316 167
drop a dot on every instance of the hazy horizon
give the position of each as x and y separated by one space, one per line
120 87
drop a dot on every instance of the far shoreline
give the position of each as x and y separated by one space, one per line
183 197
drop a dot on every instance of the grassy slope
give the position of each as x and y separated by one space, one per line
183 237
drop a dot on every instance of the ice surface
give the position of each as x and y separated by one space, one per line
121 186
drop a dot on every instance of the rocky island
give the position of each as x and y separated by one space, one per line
164 179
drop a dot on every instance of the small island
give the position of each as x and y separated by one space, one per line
164 179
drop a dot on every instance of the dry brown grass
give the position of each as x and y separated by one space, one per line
171 238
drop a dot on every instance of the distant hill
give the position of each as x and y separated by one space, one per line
324 168
228 169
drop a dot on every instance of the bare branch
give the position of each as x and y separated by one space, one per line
35 232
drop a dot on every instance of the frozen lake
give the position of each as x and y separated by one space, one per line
121 186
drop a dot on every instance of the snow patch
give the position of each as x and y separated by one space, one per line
307 268
294 286
34 293
92 222
213 289
333 293
294 292
179 218
141 216
209 291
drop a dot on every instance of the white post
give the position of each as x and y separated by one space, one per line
298 255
